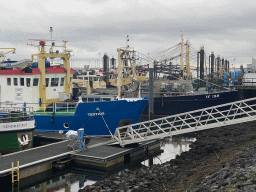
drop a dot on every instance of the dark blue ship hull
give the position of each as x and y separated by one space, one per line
165 106
97 118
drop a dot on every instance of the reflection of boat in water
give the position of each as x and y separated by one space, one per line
44 85
54 184
64 182
16 129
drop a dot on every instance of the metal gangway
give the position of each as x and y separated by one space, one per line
202 119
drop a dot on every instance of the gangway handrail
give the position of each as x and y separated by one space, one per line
201 119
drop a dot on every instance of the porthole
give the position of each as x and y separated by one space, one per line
66 125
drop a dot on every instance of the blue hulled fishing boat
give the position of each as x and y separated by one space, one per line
48 89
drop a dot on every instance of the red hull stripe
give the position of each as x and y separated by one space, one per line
35 71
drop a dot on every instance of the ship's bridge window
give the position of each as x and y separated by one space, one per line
80 78
90 99
97 99
28 82
86 78
62 81
35 81
9 81
54 82
106 99
85 99
15 81
21 81
47 82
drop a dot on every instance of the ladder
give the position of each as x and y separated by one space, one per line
206 118
15 177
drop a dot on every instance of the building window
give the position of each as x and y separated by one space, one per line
28 82
54 82
21 81
15 81
62 81
9 81
35 82
47 82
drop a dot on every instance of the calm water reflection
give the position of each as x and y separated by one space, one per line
72 182
172 147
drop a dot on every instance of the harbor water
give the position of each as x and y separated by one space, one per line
72 179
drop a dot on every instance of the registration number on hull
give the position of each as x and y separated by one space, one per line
212 96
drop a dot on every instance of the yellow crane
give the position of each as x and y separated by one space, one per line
12 50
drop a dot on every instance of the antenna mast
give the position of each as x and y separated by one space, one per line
51 50
181 57
127 39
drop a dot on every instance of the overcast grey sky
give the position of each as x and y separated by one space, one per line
226 27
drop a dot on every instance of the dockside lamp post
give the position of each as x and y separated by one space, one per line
151 96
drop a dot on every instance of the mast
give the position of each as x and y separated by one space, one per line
201 66
187 60
120 70
181 57
42 56
133 64
51 44
222 66
212 66
218 65
127 62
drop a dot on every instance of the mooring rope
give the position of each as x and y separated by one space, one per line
106 123
89 119
103 120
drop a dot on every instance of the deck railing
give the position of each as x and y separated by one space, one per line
45 108
57 108
13 113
